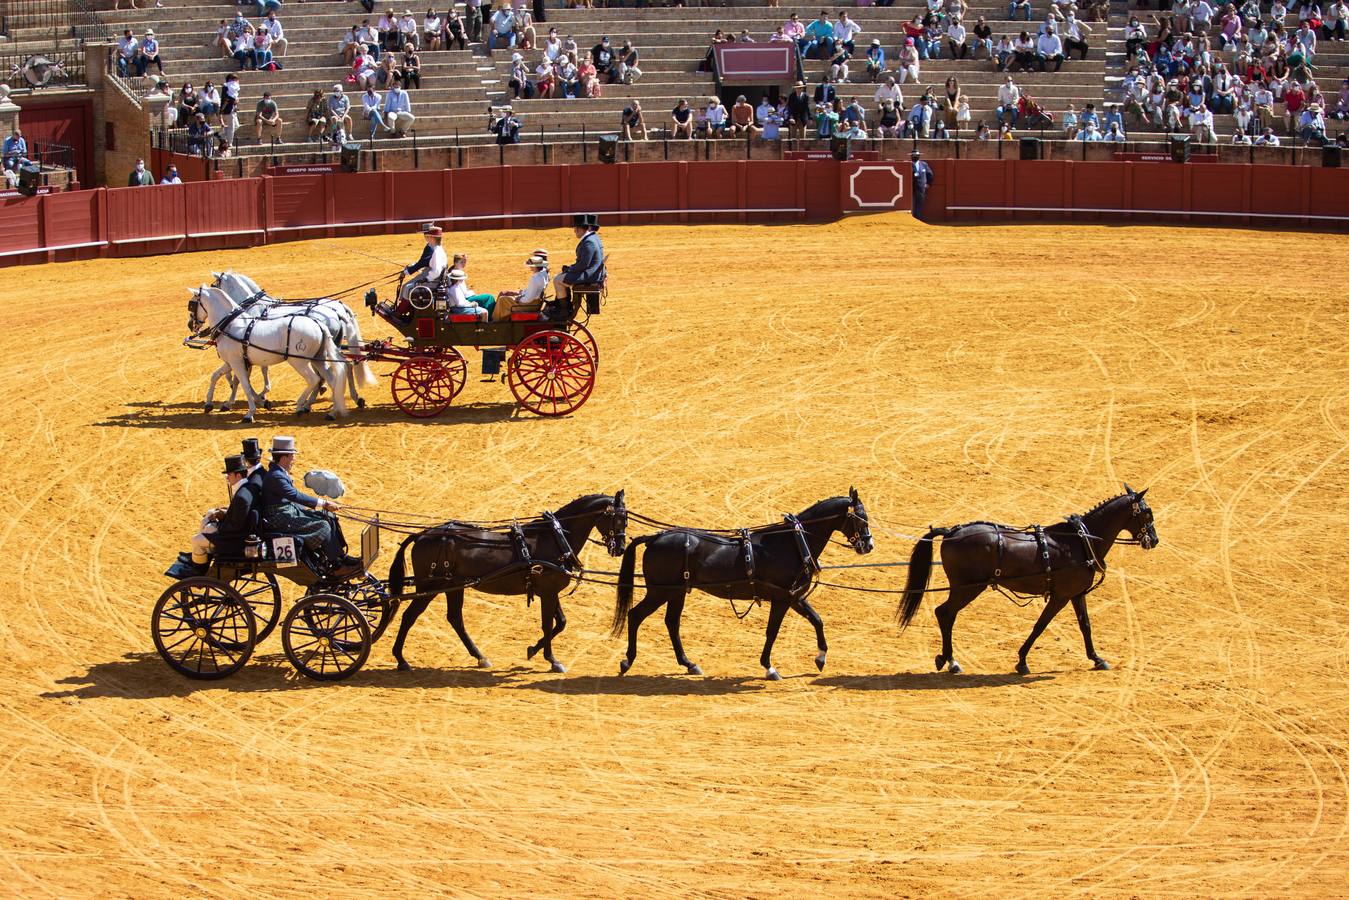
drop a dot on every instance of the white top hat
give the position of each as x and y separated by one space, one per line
282 444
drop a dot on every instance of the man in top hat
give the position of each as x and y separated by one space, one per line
252 454
290 511
589 265
922 180
224 528
431 267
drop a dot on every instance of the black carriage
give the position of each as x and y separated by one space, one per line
206 626
550 356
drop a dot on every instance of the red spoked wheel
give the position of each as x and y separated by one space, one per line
423 386
551 373
582 334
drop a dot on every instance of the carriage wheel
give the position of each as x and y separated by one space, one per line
423 386
582 334
551 373
372 599
263 596
326 637
203 628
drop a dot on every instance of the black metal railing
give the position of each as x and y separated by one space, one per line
65 18
42 68
51 155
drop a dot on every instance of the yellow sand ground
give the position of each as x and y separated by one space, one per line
1016 374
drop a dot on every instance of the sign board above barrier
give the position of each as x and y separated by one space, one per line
10 195
795 155
756 64
311 169
1163 157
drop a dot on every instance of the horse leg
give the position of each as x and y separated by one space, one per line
1050 611
241 373
550 611
636 616
1084 623
808 612
454 614
674 612
552 627
210 387
956 600
776 611
415 609
266 387
311 380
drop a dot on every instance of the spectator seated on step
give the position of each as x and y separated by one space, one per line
15 151
681 120
147 54
127 48
501 28
200 136
397 110
742 118
633 123
266 115
626 69
273 26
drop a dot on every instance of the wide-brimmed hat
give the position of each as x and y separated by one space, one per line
457 275
799 84
540 252
252 449
433 231
283 444
537 262
235 465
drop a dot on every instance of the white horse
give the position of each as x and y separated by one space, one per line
335 315
225 372
298 339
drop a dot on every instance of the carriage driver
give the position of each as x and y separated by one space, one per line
432 265
224 528
289 511
589 265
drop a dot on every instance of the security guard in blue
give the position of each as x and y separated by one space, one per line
589 265
289 511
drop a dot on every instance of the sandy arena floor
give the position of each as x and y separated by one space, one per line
1018 374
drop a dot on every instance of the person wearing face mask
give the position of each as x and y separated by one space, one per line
140 176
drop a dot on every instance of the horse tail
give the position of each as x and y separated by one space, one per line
396 570
365 376
625 580
920 570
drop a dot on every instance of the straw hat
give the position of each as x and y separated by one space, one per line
457 275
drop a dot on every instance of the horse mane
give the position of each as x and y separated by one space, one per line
573 505
1104 503
816 510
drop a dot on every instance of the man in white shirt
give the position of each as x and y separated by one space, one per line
273 26
845 30
436 266
1049 49
1114 134
1268 139
1201 125
502 29
126 52
1075 34
1008 97
889 91
955 39
762 111
715 115
398 116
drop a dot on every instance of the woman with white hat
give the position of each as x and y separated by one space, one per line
531 295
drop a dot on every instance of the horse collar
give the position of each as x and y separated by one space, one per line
569 560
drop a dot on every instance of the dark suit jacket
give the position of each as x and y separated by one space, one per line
922 177
422 262
241 520
589 265
278 487
825 94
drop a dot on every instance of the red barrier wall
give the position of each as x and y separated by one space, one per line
241 212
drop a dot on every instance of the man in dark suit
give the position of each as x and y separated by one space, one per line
223 529
424 259
252 453
589 266
825 92
288 510
922 180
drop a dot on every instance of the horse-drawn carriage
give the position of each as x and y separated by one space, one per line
206 626
550 355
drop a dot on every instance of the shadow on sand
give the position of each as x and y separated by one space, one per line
191 415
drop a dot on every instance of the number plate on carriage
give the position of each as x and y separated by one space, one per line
283 549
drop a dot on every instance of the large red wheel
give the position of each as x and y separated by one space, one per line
423 386
582 334
551 373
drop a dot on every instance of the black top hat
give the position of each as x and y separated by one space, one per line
252 450
580 220
235 465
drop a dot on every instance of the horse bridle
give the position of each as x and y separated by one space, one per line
1146 533
616 540
862 528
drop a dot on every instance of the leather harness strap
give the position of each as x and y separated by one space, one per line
522 548
569 560
1042 545
747 548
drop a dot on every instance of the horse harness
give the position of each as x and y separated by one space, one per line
1094 562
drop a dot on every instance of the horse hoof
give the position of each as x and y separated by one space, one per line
623 666
530 651
226 407
819 661
360 403
940 662
772 674
403 667
208 408
1022 668
301 412
266 404
558 668
484 662
1101 665
330 417
248 419
955 668
695 669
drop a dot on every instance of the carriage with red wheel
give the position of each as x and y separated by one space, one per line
549 356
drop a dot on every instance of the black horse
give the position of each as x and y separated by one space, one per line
540 556
776 563
1062 562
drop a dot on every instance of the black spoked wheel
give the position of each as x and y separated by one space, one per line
203 628
263 596
371 598
326 637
